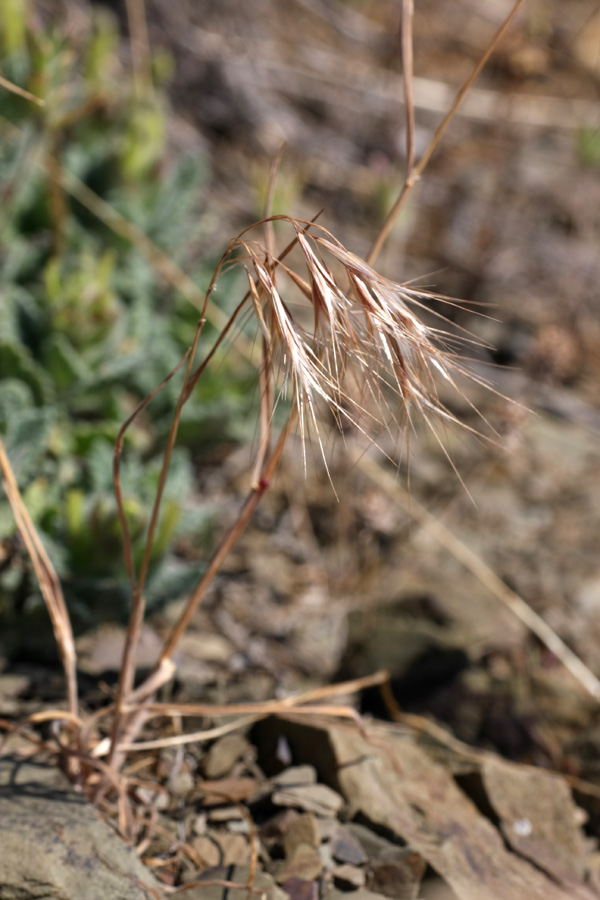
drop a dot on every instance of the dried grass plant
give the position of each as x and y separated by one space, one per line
364 352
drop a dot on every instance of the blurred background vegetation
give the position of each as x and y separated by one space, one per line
87 325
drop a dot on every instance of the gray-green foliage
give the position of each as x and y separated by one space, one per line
86 327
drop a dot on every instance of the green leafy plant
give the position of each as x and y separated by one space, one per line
87 325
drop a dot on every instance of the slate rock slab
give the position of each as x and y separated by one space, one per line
55 846
392 782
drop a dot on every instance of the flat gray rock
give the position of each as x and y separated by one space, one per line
55 846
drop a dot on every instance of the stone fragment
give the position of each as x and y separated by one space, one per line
324 852
303 831
315 798
101 650
538 818
349 877
55 846
199 824
225 814
207 851
373 844
224 790
328 827
183 783
345 848
223 755
273 829
235 848
157 799
297 889
295 775
239 826
399 876
305 863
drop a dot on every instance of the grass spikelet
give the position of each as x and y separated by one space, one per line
366 330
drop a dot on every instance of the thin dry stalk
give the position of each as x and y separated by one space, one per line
47 580
167 460
227 544
165 667
407 79
269 707
127 670
253 712
127 544
140 48
416 172
266 367
20 92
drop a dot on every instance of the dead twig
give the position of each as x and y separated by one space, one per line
417 170
20 92
407 78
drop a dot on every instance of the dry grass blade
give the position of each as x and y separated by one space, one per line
407 77
127 545
20 92
194 737
294 701
47 580
254 712
126 674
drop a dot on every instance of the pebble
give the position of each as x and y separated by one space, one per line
158 800
208 853
345 848
235 848
327 827
225 814
349 877
275 827
303 831
305 863
296 775
298 889
199 824
314 798
398 878
223 755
